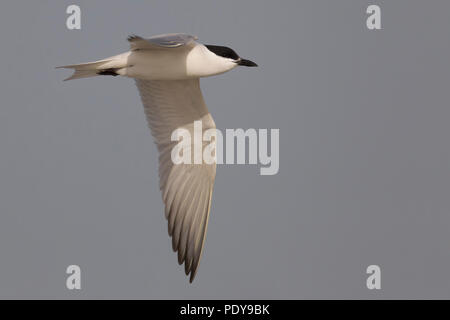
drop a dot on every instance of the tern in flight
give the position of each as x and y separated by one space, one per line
167 69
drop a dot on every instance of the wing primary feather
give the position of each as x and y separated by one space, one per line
187 222
195 227
189 248
175 211
180 213
199 249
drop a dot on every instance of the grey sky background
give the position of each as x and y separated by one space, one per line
364 153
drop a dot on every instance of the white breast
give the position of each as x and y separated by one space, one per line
200 62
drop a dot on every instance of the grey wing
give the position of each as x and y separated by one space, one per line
165 41
186 188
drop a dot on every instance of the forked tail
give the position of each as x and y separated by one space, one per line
112 66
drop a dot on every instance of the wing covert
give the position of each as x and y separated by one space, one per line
165 41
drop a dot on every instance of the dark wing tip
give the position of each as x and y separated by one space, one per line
108 72
133 37
193 274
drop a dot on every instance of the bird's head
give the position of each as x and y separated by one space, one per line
209 60
229 56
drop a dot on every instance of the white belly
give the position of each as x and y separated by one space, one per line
157 65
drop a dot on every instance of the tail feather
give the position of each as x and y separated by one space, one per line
79 74
96 68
